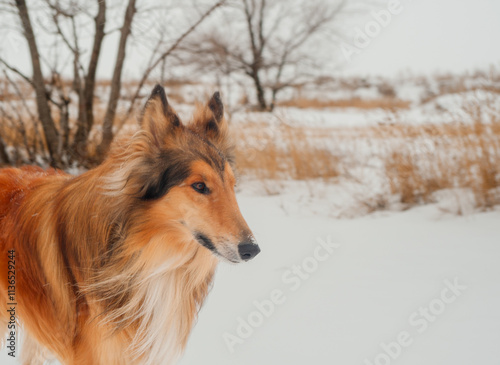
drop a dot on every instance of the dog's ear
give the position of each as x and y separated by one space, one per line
209 123
217 108
158 117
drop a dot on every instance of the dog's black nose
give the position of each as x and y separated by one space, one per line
248 250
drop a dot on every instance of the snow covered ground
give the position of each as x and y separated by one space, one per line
412 287
371 285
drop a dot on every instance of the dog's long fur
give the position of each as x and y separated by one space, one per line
112 266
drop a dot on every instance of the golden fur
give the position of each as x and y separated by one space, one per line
110 265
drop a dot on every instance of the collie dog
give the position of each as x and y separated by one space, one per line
112 266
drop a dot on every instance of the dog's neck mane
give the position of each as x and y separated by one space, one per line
152 301
155 309
162 308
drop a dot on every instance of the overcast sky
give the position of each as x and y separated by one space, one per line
424 36
434 35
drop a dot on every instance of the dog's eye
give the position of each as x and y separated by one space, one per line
200 188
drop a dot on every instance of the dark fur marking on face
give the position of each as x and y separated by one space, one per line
205 242
173 167
170 167
170 176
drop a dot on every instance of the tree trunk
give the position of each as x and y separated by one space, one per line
86 117
4 157
64 122
261 99
42 101
273 100
114 95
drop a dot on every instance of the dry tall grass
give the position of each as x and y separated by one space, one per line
388 103
416 160
437 157
283 152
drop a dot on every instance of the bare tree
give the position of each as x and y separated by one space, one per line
60 21
107 128
63 29
268 41
158 58
42 99
154 62
86 105
4 157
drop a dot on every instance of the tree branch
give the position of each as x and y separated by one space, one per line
15 70
167 53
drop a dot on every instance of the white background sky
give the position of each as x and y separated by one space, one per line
427 36
434 35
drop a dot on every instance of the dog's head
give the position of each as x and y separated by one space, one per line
185 179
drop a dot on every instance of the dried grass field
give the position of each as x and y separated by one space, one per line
402 143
